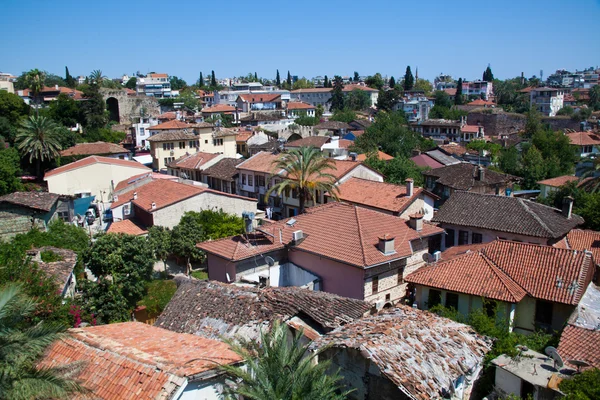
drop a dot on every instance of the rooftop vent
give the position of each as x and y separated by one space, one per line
410 186
416 221
153 205
387 244
135 195
567 207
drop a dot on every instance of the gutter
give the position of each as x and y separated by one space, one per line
179 392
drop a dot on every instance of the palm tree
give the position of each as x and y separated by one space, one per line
34 80
21 345
97 77
590 169
304 170
39 138
280 369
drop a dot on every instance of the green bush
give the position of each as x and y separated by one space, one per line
158 295
49 256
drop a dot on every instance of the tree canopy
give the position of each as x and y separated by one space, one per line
376 81
337 94
409 79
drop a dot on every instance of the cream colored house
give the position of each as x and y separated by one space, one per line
92 176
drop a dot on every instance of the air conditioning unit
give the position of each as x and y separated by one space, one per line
436 256
172 152
297 236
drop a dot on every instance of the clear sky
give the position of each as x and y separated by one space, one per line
307 37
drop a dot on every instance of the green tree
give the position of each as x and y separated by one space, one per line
594 102
302 83
39 139
396 170
64 110
423 85
387 99
357 100
356 77
392 82
93 113
319 111
584 386
131 83
201 81
54 80
533 124
566 110
103 135
12 107
533 167
326 82
10 171
305 171
96 77
442 99
409 79
213 79
104 300
458 97
69 80
35 81
488 76
375 81
160 241
282 369
346 115
337 94
289 80
305 120
277 79
22 343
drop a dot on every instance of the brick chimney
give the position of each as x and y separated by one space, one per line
416 221
410 187
567 207
480 173
387 244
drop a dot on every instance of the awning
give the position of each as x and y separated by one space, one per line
81 205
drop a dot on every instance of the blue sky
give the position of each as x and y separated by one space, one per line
307 37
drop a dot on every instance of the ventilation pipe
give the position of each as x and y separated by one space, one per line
410 187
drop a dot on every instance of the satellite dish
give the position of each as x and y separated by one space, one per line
579 364
270 261
427 257
553 354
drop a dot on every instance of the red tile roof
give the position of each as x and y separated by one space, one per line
512 270
146 175
469 128
450 91
41 201
577 343
260 162
193 161
84 162
168 115
481 103
384 196
309 141
219 108
558 181
345 143
380 155
260 98
351 87
127 227
425 161
172 124
342 232
583 239
96 148
299 105
132 360
584 138
158 75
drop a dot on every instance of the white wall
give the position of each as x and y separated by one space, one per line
205 390
507 382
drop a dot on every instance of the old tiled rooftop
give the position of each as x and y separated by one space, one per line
60 270
464 176
507 271
419 351
352 242
132 360
224 169
213 309
583 239
505 214
126 227
558 181
86 149
587 138
193 161
380 155
40 201
309 141
172 125
146 177
95 160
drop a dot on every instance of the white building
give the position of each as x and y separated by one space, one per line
547 100
157 85
478 88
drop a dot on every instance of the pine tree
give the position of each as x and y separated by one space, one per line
488 76
337 95
392 82
409 79
201 81
289 80
326 82
69 80
277 79
356 77
213 80
458 96
255 77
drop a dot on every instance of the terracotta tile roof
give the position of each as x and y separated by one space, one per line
219 108
158 75
384 196
352 242
172 125
193 161
583 239
345 143
132 360
162 192
260 162
527 89
225 169
96 148
469 128
507 271
84 162
425 161
213 309
584 138
358 133
455 149
351 87
558 181
73 93
481 102
299 105
260 98
146 175
167 116
505 214
463 176
59 270
170 136
309 141
333 125
243 136
450 91
416 350
580 344
456 251
41 201
126 227
380 155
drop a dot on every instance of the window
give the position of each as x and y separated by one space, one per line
250 180
182 145
243 179
166 160
400 276
452 300
64 215
127 209
294 193
206 141
477 238
217 142
543 312
194 143
260 180
449 238
142 132
435 298
168 146
463 237
375 284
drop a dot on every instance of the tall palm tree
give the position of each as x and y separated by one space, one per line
280 369
306 171
35 80
39 137
590 169
97 77
21 345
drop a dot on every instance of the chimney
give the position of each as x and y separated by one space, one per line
410 186
416 221
135 195
55 87
480 173
387 244
567 207
416 152
353 156
153 205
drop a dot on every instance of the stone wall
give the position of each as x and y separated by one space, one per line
130 106
497 122
15 220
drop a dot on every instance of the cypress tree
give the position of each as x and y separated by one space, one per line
488 76
458 96
409 79
201 81
337 95
392 82
356 77
326 82
277 79
289 79
213 80
255 77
